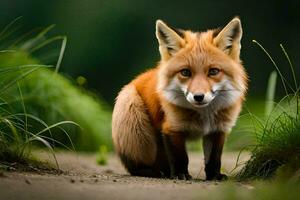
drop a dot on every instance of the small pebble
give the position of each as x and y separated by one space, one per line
108 171
27 181
2 174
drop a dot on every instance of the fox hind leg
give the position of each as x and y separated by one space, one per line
139 169
133 135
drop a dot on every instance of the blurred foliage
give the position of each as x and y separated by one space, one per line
275 190
102 155
111 41
114 40
52 98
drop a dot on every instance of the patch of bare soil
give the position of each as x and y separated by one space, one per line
82 178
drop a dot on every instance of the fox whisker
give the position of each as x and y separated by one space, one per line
225 90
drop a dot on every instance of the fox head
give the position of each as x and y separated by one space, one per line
200 69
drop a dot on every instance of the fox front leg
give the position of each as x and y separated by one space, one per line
176 154
213 147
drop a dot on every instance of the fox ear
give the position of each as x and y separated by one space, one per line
229 38
169 40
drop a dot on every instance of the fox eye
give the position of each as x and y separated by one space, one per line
213 71
186 72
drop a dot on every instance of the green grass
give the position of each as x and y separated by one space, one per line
16 135
278 142
277 146
39 105
52 97
261 190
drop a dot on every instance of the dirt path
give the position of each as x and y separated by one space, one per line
84 179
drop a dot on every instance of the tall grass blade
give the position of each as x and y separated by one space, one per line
55 125
61 53
271 88
31 43
7 51
45 31
7 27
291 66
46 143
283 80
23 38
46 42
14 68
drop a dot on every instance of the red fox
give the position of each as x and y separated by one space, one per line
196 90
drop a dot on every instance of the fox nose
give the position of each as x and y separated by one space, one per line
199 97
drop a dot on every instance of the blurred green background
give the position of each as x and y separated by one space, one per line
111 41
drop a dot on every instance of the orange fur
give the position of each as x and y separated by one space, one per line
145 108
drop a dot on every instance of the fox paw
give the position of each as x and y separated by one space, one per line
218 177
181 176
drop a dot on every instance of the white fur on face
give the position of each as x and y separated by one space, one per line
208 97
176 93
225 94
222 95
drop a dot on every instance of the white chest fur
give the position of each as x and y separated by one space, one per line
204 122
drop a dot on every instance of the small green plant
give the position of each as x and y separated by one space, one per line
102 155
278 135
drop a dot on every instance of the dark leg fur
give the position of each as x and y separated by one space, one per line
137 169
177 157
171 161
213 147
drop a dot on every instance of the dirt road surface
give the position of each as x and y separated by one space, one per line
83 179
